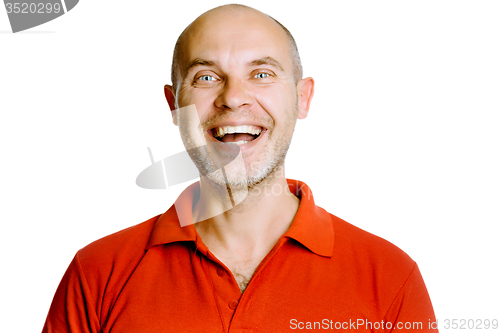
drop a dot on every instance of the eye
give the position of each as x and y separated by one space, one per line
261 75
206 78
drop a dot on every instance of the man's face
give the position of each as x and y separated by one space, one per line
238 72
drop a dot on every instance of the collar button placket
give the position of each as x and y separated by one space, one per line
233 304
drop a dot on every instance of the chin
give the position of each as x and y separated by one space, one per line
238 177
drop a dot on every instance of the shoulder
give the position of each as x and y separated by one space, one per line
125 245
367 250
377 274
101 269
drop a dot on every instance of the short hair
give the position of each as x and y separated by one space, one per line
294 52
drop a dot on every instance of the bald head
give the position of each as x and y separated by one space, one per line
224 13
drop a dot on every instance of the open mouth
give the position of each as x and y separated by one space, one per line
237 134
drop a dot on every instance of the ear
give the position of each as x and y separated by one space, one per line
305 92
169 94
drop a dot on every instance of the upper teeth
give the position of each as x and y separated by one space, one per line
221 131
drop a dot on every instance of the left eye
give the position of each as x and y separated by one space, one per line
261 75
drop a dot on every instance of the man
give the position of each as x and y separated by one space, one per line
245 249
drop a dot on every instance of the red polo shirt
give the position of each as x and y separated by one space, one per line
323 274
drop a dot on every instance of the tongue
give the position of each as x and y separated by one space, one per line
237 137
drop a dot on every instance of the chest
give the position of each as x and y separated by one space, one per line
193 293
243 271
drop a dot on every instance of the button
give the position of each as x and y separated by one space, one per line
220 271
233 305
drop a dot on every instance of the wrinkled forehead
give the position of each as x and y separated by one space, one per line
235 37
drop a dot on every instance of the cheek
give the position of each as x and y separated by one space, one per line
279 104
197 96
201 99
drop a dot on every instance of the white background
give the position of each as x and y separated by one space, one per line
402 138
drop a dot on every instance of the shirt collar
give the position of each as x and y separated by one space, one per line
312 225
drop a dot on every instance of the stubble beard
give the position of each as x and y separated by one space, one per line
255 174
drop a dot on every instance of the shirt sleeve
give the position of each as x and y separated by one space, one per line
411 310
72 309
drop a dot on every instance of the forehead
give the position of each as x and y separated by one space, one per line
234 37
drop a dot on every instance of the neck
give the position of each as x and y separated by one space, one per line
252 227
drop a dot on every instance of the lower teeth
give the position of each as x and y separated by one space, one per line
238 142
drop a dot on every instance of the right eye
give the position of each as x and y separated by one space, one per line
206 78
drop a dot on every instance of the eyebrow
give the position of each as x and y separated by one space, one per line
198 62
267 61
258 62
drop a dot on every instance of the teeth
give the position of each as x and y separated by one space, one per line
221 131
239 142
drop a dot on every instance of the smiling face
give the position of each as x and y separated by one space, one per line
236 68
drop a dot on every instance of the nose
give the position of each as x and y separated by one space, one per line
234 95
